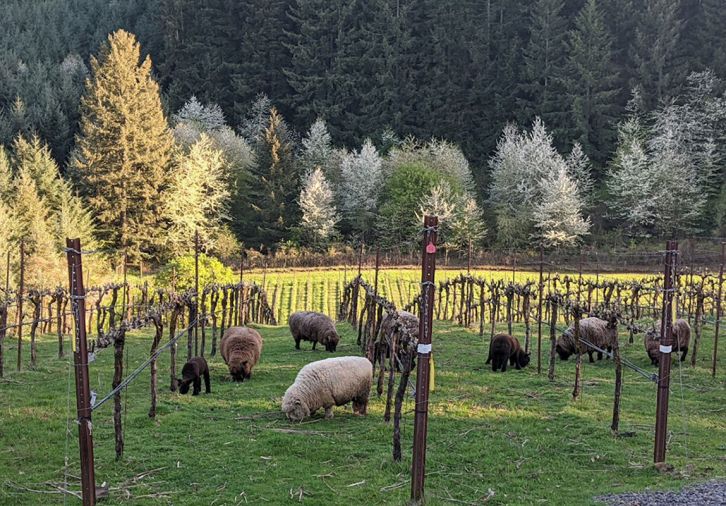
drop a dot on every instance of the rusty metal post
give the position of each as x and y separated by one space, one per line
428 269
21 288
719 311
539 311
664 367
80 361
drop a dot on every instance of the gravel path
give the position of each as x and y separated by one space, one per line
711 493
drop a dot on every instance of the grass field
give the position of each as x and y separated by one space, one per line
321 290
515 434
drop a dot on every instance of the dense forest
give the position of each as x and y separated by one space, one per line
540 121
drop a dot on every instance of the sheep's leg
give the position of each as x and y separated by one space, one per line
329 412
504 366
610 351
685 352
599 355
197 386
206 382
315 343
589 354
495 365
297 343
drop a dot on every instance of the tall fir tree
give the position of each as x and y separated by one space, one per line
123 151
591 82
272 209
544 59
656 50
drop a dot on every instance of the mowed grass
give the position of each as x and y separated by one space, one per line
322 290
516 434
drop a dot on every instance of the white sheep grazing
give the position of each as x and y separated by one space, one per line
327 383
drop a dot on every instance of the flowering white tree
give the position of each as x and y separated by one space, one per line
319 216
524 167
467 224
664 174
361 178
317 150
558 216
204 117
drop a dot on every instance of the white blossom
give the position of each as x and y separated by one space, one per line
319 216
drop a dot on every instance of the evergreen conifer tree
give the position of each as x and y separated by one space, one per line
591 82
123 151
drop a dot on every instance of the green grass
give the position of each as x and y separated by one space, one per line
515 433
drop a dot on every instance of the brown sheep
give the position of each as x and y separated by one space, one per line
241 348
192 373
681 337
506 348
601 333
315 327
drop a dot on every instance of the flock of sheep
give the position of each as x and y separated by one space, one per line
337 381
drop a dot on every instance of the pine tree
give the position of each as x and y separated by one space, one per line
544 59
272 206
655 51
6 174
35 158
123 151
319 215
591 82
255 32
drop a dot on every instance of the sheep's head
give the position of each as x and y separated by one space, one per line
183 385
240 369
652 334
331 341
296 410
523 359
562 352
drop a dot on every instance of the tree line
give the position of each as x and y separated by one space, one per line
306 122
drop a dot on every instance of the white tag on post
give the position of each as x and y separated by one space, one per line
666 349
424 348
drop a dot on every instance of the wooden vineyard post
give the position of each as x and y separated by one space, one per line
428 270
118 371
80 362
664 366
618 385
553 337
195 315
719 310
539 311
577 314
21 288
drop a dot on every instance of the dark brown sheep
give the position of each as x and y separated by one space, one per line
506 348
681 337
315 327
192 373
241 348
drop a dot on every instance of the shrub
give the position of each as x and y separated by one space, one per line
179 272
